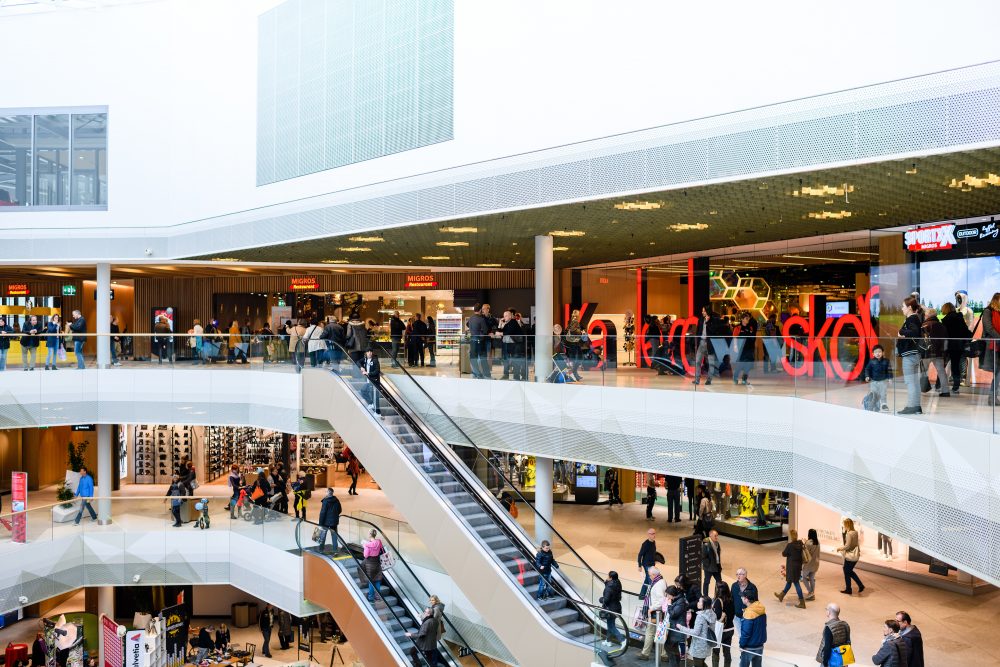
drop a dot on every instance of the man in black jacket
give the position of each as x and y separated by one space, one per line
914 641
512 346
396 329
78 326
711 560
265 621
647 559
329 519
372 370
335 337
673 484
479 333
419 338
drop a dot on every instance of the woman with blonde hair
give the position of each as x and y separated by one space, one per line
793 568
852 554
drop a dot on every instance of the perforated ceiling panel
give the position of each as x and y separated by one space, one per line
343 81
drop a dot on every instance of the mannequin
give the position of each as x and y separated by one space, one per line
962 306
629 329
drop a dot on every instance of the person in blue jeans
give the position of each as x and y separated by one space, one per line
5 337
611 601
52 342
85 491
78 326
544 562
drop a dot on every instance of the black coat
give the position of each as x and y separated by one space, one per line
419 331
677 613
611 599
396 328
373 367
793 560
329 513
910 332
5 340
265 620
915 643
955 326
516 333
205 639
748 336
709 561
29 339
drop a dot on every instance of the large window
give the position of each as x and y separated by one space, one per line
54 158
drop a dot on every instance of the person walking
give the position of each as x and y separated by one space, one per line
836 633
30 339
265 622
793 568
6 336
85 491
722 605
913 639
174 495
260 502
544 562
329 519
653 596
647 559
892 652
372 564
745 348
235 483
851 552
285 630
704 622
354 470
396 329
613 488
79 327
650 495
753 630
741 586
810 567
908 348
300 493
705 351
991 334
432 341
53 341
711 560
673 483
611 601
958 335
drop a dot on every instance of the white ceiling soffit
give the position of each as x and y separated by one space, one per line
20 7
933 114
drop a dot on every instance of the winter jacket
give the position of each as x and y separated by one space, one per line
914 646
545 561
396 328
878 369
738 596
29 339
955 326
745 340
677 613
265 620
911 332
79 325
793 560
835 633
701 646
357 336
813 564
329 513
52 342
5 339
753 628
611 599
426 638
935 332
892 653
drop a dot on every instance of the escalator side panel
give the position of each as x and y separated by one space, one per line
506 609
323 585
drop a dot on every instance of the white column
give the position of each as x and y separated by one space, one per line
543 497
105 457
103 315
543 310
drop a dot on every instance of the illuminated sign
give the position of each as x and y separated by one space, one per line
18 289
937 237
69 290
421 281
304 283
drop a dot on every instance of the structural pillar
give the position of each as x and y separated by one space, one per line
543 496
103 328
105 475
543 316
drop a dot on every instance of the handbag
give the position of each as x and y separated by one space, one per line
662 628
806 556
386 560
513 509
61 354
257 494
842 655
194 484
315 535
925 382
853 555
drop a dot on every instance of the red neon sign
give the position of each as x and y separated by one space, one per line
936 237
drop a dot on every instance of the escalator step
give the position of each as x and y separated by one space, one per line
564 616
577 628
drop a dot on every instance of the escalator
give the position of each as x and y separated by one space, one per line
478 543
377 630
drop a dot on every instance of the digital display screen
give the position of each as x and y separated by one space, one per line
586 482
837 308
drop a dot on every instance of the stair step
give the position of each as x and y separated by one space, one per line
564 616
577 628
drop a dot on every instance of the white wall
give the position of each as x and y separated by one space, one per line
179 77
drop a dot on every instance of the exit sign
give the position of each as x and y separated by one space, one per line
69 290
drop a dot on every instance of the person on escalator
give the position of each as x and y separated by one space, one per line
544 562
426 638
329 519
370 369
372 565
611 601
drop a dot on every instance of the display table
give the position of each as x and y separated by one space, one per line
743 528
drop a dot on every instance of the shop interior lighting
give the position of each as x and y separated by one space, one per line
858 252
824 191
452 244
226 259
966 184
684 227
713 212
761 261
460 230
355 249
829 215
489 266
335 261
638 205
913 169
560 248
567 232
822 259
435 257
366 239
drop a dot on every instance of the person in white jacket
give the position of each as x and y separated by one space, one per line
656 593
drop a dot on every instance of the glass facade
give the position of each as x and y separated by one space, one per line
54 158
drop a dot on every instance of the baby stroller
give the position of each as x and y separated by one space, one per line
244 505
203 521
562 370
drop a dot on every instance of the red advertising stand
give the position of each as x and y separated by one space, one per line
19 506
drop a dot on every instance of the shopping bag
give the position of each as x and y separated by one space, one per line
386 560
662 628
61 354
257 494
720 628
315 535
842 655
638 622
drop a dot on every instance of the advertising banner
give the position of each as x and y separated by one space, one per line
135 648
19 505
175 620
113 655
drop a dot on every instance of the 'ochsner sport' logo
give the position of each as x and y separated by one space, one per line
939 237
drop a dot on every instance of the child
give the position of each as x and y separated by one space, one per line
878 372
203 520
545 561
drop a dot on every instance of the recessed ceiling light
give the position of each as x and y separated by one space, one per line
226 259
683 226
824 191
366 239
760 261
435 257
713 212
452 244
335 261
824 259
489 266
567 232
355 249
858 252
966 184
638 205
460 230
829 215
559 248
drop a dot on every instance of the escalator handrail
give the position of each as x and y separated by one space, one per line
399 560
500 473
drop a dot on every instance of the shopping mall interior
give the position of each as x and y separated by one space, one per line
442 333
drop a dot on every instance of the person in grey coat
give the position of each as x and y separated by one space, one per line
893 651
704 620
285 629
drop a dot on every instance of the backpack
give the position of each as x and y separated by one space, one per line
870 402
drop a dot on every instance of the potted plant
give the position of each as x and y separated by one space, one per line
67 488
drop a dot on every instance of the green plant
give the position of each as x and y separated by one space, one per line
64 493
75 459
